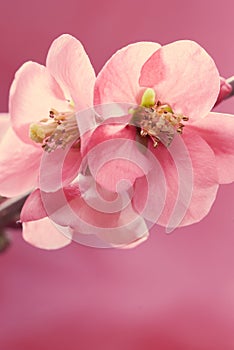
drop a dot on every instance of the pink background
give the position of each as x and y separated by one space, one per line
173 292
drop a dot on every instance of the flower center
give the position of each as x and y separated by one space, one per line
156 119
54 132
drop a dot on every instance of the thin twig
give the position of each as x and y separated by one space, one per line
10 209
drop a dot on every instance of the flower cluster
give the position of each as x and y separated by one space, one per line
104 156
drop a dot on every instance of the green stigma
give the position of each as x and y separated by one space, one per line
148 98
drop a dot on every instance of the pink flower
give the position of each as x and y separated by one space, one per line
43 99
175 83
146 174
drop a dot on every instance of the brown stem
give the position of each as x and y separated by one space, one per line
4 241
10 209
9 214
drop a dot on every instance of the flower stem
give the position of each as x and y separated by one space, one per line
4 241
10 209
9 214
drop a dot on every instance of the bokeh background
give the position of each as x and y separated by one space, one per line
174 292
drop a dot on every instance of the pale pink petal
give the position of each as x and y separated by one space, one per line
184 76
4 124
130 231
33 93
149 195
82 208
133 244
43 234
218 131
71 165
204 185
114 158
86 215
59 168
69 64
19 164
118 80
95 211
33 208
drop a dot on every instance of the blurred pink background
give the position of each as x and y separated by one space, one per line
173 292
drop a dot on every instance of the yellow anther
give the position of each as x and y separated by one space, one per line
39 131
36 133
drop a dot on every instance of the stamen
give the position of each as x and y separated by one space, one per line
64 134
143 133
57 131
158 121
40 131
